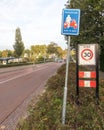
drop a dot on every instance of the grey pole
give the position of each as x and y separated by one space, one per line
66 82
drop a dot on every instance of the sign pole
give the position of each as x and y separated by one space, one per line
97 74
70 26
77 70
66 82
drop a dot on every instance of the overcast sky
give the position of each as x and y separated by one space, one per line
39 21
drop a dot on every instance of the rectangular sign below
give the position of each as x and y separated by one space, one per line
70 21
87 83
87 74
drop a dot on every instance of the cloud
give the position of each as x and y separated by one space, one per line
39 21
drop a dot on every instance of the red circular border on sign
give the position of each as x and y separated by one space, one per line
89 57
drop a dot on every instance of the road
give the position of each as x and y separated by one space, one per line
16 85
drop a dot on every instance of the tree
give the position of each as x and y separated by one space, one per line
59 52
52 48
91 25
38 51
27 55
19 45
10 53
0 53
4 53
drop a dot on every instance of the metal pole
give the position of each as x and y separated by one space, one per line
97 74
66 82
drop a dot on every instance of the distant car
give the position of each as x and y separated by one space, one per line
60 60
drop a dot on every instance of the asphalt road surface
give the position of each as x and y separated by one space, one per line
16 85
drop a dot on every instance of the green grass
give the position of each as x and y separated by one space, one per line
46 114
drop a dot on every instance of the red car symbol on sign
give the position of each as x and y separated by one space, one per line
73 24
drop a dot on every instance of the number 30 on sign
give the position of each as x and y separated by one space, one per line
86 54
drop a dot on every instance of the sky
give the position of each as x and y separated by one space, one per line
38 20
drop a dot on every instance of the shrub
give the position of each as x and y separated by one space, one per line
46 113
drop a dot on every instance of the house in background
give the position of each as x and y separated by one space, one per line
5 60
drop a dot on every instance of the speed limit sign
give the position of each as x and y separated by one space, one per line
86 53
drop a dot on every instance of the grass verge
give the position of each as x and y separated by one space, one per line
46 114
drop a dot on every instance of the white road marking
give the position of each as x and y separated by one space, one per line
22 75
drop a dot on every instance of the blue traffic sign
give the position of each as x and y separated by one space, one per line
70 21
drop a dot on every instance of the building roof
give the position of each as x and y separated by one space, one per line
6 58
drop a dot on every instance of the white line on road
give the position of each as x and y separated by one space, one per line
22 75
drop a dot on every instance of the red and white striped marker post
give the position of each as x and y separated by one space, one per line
87 74
87 83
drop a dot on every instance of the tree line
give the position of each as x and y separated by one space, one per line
91 24
35 52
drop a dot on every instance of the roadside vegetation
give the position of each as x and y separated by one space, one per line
46 114
91 24
37 54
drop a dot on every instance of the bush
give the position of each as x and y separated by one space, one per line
46 113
